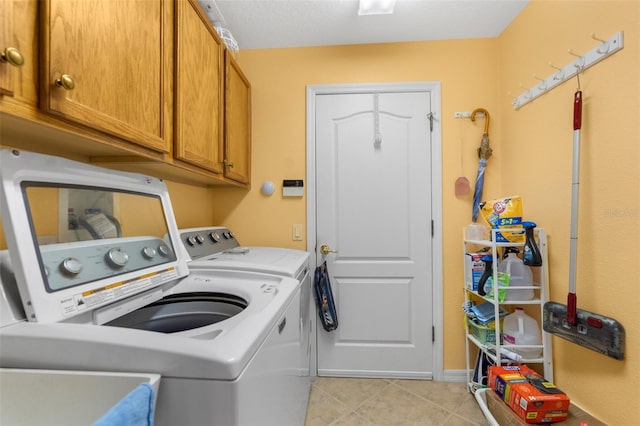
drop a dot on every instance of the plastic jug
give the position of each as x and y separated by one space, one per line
520 329
520 276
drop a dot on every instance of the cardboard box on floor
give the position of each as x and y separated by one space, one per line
531 397
506 417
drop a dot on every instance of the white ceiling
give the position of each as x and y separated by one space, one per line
260 24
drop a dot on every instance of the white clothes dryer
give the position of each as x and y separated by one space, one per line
217 248
95 279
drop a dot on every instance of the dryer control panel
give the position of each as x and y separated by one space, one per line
201 242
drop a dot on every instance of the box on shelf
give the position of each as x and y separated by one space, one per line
528 394
499 414
473 269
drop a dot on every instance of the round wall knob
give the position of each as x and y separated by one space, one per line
66 82
12 56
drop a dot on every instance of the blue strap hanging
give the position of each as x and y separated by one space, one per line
324 298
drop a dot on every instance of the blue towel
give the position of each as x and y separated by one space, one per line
135 409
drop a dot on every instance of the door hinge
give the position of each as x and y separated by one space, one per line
432 228
430 117
433 333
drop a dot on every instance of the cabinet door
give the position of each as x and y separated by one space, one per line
198 106
111 57
18 44
237 152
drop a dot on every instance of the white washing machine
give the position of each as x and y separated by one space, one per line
217 248
95 279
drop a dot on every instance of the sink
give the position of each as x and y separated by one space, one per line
58 397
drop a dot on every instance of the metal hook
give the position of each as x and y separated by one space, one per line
527 95
486 116
559 75
580 63
541 86
604 45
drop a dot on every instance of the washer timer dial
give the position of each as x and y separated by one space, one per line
71 266
117 258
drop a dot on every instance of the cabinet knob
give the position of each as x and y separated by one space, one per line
66 82
12 56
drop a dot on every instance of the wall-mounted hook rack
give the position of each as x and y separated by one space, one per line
605 49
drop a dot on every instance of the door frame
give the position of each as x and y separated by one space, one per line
436 194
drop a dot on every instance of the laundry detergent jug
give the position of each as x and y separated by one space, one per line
519 276
521 329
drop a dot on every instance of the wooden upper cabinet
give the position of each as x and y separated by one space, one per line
237 123
199 89
18 46
104 65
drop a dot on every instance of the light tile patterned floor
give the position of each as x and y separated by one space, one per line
364 402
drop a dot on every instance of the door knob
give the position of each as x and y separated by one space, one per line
66 82
325 249
12 56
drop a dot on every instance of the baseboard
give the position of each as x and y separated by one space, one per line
459 376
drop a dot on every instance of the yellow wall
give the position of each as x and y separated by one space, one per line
536 163
532 157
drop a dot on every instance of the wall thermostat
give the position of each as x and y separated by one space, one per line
292 188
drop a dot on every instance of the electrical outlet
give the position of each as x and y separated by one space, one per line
297 232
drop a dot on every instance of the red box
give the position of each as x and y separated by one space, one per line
528 394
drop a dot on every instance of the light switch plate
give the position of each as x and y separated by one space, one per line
297 232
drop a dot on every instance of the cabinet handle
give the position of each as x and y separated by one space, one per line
12 56
66 82
228 163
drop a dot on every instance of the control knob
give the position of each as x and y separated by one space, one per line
148 252
117 258
191 240
199 239
215 237
164 249
71 266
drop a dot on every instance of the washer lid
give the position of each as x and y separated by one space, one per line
81 237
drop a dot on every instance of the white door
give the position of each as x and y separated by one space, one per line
373 188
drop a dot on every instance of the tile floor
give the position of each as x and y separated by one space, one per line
363 402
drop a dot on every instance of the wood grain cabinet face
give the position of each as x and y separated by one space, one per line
18 42
199 85
237 123
111 57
